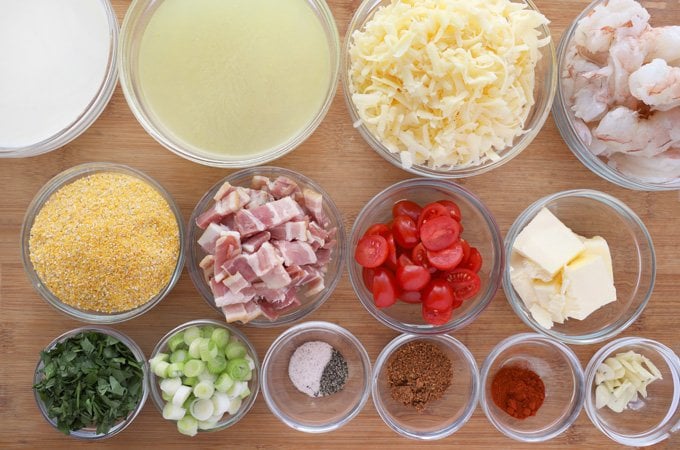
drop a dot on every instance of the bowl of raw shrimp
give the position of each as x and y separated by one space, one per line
617 104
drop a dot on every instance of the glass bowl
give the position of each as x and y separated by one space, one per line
333 274
442 417
561 373
254 384
544 91
651 420
592 213
572 129
90 433
52 186
90 113
481 231
315 414
136 20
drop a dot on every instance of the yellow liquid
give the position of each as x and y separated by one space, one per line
234 77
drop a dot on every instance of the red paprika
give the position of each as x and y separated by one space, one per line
517 391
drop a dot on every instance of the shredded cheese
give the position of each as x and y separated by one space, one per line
446 83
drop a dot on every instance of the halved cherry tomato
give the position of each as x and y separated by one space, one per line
474 261
430 212
466 251
412 277
385 290
410 296
435 316
438 294
439 233
378 228
405 231
371 251
367 275
465 283
407 208
453 209
391 261
448 258
419 256
404 260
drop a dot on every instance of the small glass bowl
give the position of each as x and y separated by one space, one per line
93 110
243 178
654 418
591 213
136 20
90 433
254 384
561 373
66 177
442 417
480 230
315 414
544 91
571 128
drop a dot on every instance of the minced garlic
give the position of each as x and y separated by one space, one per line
446 83
108 242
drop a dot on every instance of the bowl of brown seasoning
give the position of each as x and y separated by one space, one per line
533 387
425 387
103 242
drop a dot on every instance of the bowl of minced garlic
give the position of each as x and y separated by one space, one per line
103 242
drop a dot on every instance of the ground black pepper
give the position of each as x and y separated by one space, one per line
419 372
334 374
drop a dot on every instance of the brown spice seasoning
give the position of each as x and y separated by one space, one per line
419 372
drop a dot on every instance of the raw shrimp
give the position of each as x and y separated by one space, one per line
624 131
657 84
596 32
660 169
626 55
663 43
588 88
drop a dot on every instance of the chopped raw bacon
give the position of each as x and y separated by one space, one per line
266 245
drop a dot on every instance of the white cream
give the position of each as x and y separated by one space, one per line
54 57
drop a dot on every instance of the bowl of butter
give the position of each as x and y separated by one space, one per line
580 266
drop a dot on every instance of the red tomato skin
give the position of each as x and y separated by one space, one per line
439 233
474 261
378 228
371 251
438 295
452 208
465 283
391 260
436 317
448 258
431 211
404 260
412 277
466 250
407 208
419 256
367 276
405 231
412 297
385 291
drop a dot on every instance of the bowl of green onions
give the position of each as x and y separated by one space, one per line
90 383
204 375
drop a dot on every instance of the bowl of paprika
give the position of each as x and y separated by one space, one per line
533 387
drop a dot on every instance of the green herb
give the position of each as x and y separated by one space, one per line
90 380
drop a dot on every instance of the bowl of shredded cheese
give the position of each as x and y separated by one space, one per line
448 88
103 242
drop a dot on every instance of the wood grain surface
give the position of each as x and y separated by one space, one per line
336 157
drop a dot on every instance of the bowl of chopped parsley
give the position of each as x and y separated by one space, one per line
90 383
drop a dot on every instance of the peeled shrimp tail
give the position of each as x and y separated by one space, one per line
657 84
663 43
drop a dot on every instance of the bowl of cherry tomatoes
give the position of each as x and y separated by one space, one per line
425 256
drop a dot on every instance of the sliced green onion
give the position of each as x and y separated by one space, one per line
208 424
190 381
160 368
181 395
207 331
170 385
220 336
174 370
217 365
208 349
237 389
224 383
207 376
221 402
246 392
187 425
202 409
165 396
195 348
238 368
194 367
188 402
178 356
190 334
176 342
204 389
160 357
234 406
235 350
173 412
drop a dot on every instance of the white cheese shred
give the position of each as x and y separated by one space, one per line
446 83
